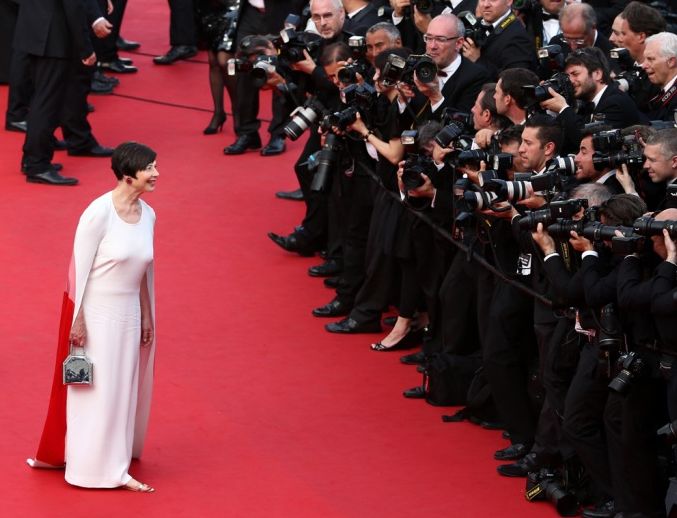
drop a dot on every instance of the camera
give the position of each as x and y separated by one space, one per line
473 28
399 69
326 160
414 166
627 245
610 332
291 45
648 226
348 74
632 368
559 82
550 60
566 209
499 161
303 117
612 149
359 98
632 78
549 485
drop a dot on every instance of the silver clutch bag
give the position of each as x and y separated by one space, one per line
77 369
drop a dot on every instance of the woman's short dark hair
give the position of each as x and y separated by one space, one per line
131 157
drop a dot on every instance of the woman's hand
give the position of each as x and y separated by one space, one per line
147 330
78 335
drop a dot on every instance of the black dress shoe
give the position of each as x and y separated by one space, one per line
20 126
243 143
414 358
527 464
350 326
327 269
414 393
512 452
336 308
54 167
176 53
274 147
605 510
125 61
119 67
100 76
332 282
99 88
123 44
296 195
59 145
291 243
96 151
50 177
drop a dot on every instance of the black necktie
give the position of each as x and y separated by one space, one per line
586 110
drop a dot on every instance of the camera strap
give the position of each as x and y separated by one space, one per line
504 24
664 98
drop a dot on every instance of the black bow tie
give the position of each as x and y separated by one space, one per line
488 28
441 73
547 16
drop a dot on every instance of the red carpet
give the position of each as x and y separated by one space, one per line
257 410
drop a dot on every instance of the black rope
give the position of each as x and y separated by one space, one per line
446 235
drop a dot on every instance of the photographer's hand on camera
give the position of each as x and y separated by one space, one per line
471 51
544 240
421 20
483 137
307 65
399 7
431 90
556 103
626 181
670 247
580 243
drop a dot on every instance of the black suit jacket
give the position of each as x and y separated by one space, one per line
276 12
617 107
359 23
511 48
53 28
663 304
664 108
460 91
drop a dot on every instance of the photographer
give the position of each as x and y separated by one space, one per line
504 41
458 80
381 36
511 99
660 65
579 29
638 389
587 171
660 153
257 20
380 134
588 73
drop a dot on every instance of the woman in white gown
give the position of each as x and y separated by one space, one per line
112 270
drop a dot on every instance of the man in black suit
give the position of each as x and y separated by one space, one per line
507 43
459 81
259 17
660 64
541 20
660 154
54 33
603 101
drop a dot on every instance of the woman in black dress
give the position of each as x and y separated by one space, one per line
217 21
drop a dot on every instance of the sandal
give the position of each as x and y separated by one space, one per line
139 487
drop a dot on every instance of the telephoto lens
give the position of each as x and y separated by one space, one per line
447 135
302 118
648 226
326 161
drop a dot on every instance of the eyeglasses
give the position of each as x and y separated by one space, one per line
429 38
569 41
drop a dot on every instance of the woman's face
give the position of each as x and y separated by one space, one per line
146 178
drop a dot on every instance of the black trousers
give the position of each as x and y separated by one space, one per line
106 49
8 15
50 82
507 352
20 87
246 105
181 23
76 129
631 422
583 425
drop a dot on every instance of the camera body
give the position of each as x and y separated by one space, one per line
559 82
557 210
551 60
291 45
348 74
414 166
632 367
547 484
360 98
399 69
473 28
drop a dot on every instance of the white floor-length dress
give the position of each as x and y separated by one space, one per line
106 422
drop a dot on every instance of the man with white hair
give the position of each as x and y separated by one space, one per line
660 65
